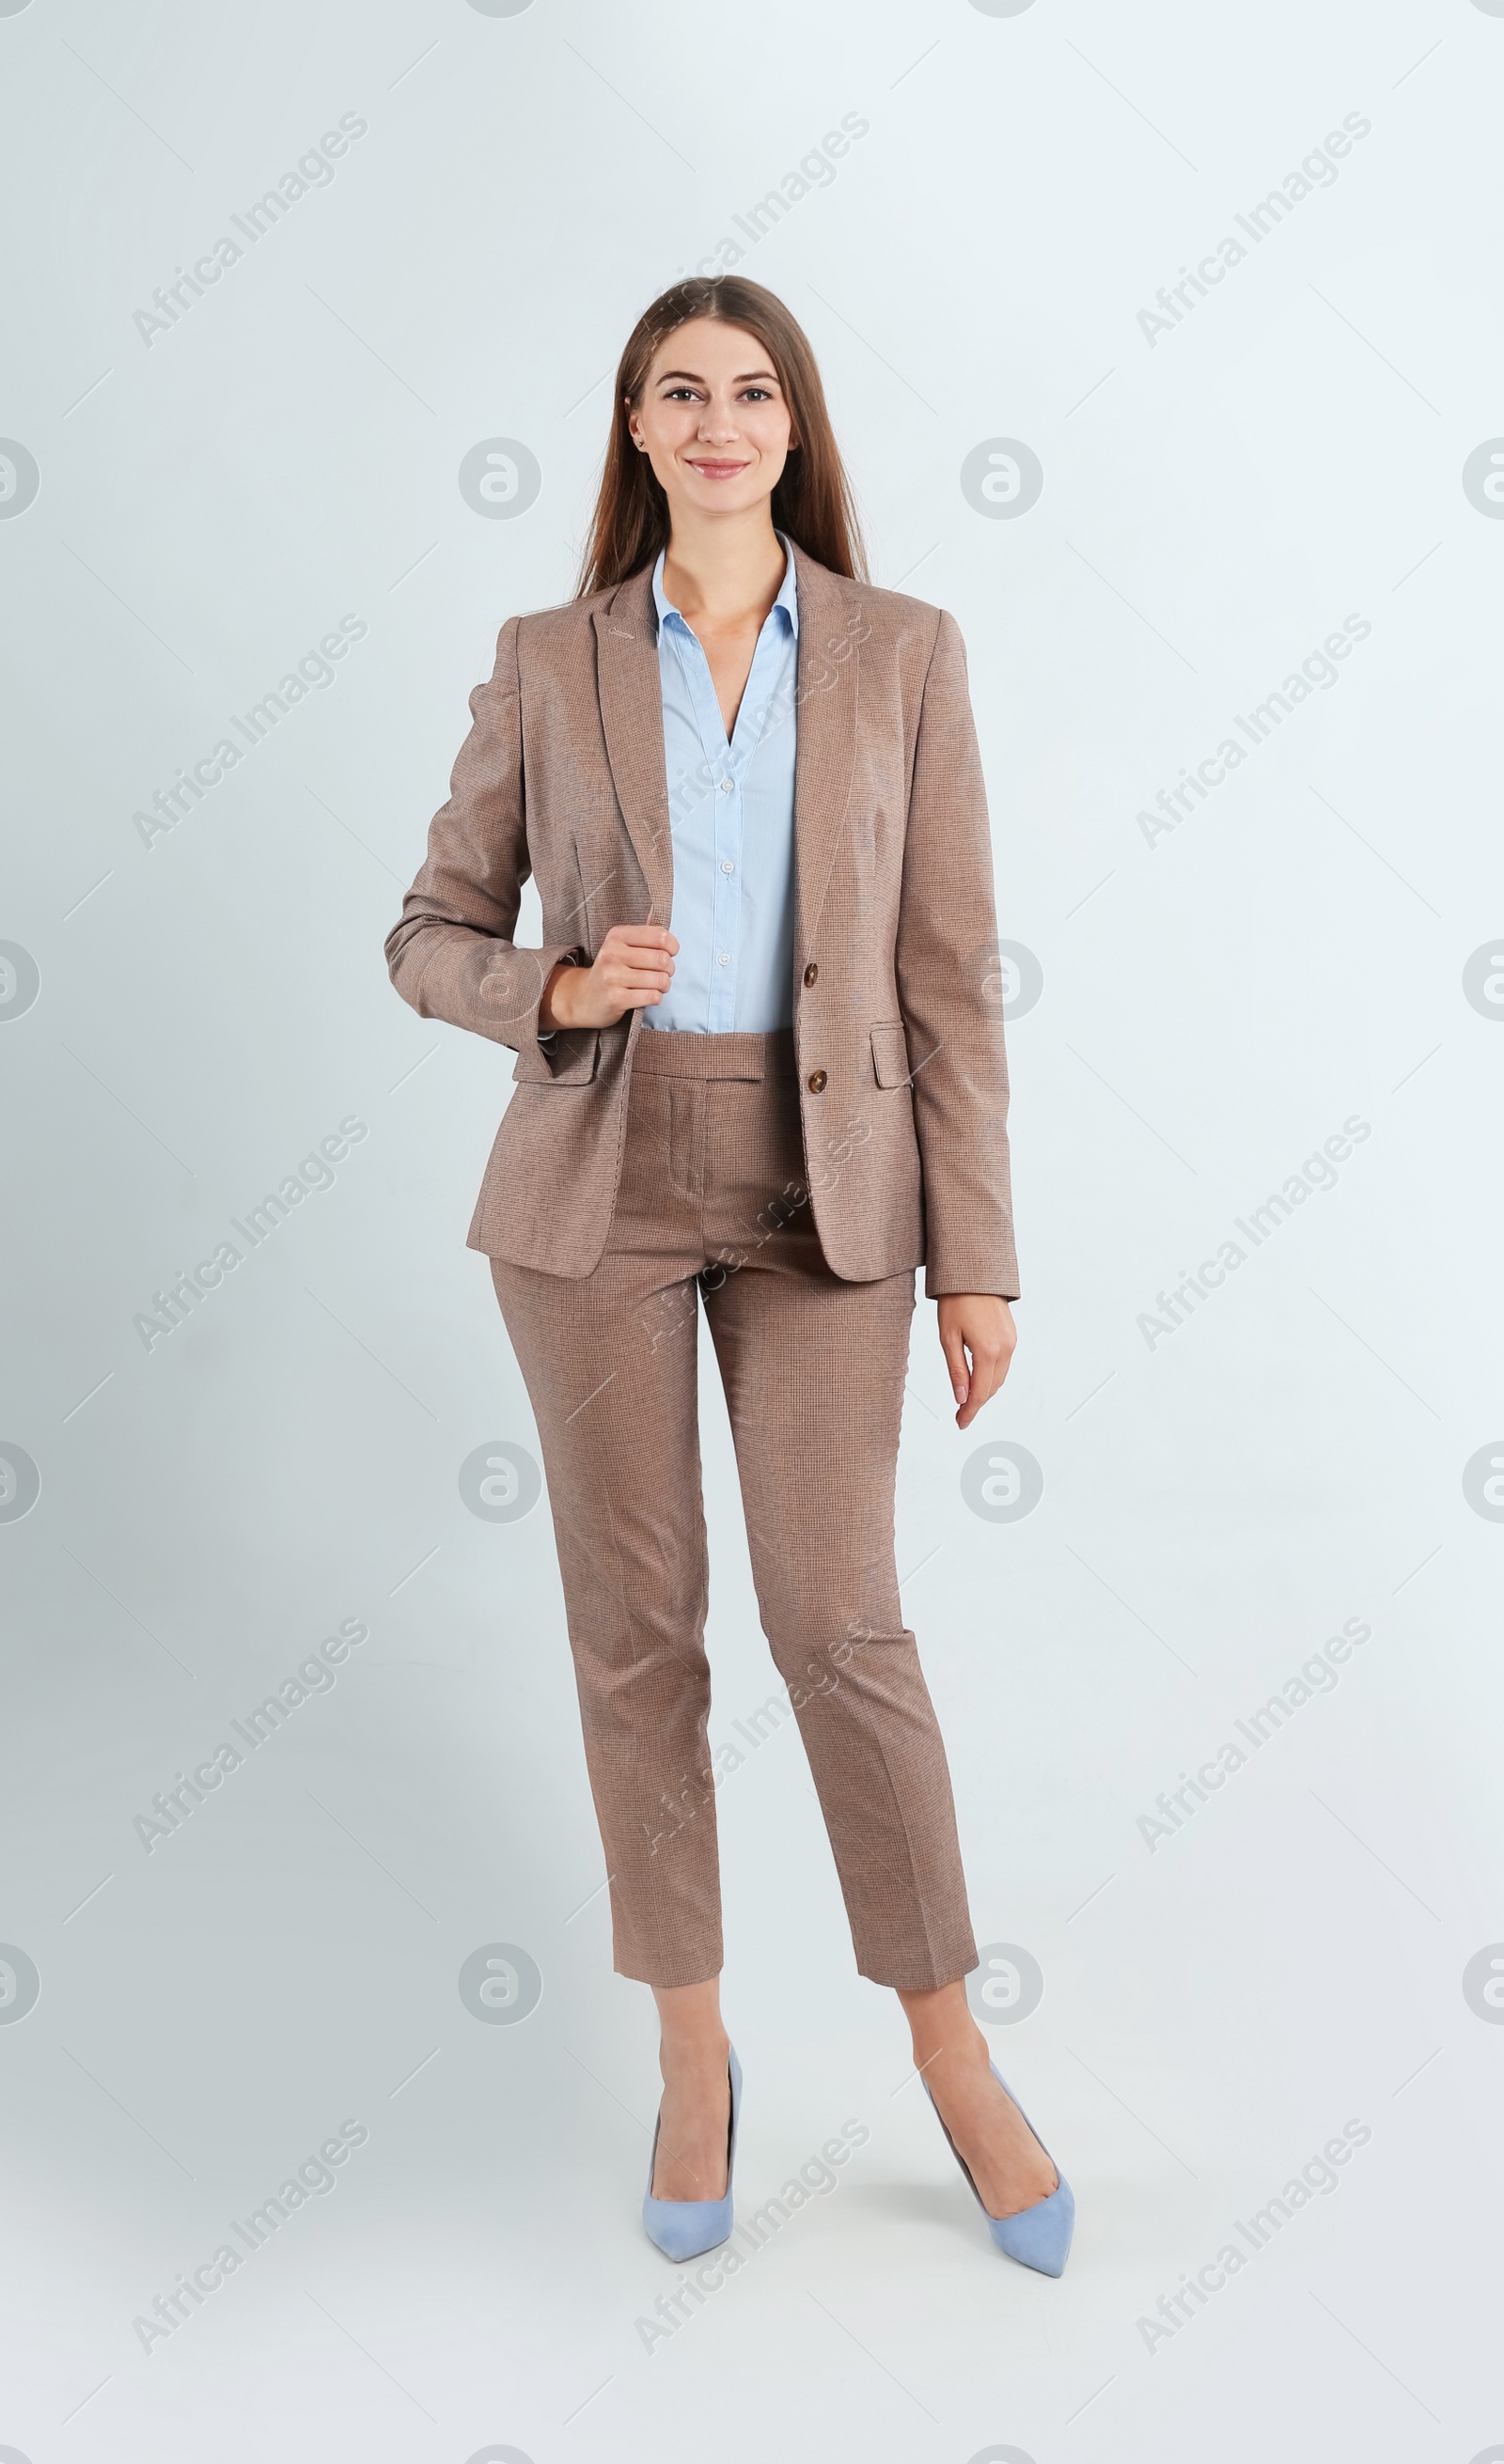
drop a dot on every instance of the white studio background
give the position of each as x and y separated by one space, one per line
1194 1998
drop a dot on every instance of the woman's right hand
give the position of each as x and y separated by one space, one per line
633 969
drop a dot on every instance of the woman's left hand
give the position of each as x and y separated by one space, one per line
981 1325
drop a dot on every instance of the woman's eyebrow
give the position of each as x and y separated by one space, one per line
684 376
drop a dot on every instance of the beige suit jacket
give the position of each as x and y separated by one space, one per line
897 1014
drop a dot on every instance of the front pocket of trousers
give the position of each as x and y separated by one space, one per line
683 1161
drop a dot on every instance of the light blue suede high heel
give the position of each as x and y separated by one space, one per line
1037 2236
687 2228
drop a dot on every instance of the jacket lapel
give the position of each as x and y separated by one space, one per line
829 628
828 694
632 716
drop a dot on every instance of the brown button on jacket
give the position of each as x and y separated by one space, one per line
897 1017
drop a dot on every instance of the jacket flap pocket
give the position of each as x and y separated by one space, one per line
569 1061
891 1054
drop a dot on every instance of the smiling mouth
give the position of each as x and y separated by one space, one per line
718 470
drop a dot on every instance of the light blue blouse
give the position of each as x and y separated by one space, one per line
731 812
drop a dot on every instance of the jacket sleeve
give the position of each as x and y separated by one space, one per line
452 954
948 989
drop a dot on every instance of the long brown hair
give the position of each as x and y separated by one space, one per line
813 502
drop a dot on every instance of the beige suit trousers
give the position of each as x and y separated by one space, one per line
713 1205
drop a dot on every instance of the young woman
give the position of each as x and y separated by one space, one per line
758 1071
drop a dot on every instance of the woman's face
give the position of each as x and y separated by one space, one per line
713 420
